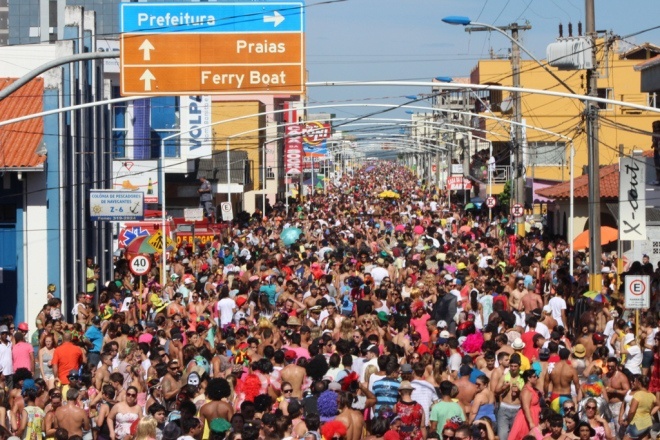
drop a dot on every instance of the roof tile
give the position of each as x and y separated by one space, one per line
19 141
609 186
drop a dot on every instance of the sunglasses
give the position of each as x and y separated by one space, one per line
569 408
287 391
591 407
131 395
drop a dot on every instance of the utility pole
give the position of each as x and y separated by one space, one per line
591 118
519 169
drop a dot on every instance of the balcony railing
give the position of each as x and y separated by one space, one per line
501 174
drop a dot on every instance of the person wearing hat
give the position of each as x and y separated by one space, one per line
633 353
411 413
518 346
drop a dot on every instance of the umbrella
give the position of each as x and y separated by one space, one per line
470 206
141 246
607 235
290 235
478 201
389 194
596 296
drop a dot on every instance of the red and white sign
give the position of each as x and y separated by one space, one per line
491 201
140 265
434 168
457 183
637 292
314 133
517 210
293 143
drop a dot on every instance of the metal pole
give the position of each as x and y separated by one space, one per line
571 209
263 184
593 165
228 177
517 116
163 204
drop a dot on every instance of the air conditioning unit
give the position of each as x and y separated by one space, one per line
574 53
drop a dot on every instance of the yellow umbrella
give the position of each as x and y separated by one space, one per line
389 195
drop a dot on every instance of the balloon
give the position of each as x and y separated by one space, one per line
290 235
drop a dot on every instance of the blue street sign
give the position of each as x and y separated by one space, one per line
158 18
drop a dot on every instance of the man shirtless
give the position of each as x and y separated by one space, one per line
497 373
295 375
72 417
353 419
310 301
517 294
531 301
102 375
172 381
560 379
216 390
616 387
508 389
466 389
586 339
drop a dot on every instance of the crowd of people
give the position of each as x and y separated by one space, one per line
357 314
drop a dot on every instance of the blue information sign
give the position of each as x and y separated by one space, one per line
159 18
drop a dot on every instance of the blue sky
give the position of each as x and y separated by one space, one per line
406 39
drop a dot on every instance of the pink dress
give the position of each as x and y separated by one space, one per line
520 427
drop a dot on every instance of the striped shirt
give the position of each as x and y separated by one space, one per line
387 394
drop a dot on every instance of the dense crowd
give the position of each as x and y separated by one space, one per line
374 311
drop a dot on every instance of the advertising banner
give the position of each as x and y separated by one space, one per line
196 140
138 176
632 199
293 144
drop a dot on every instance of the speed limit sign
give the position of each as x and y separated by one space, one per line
140 265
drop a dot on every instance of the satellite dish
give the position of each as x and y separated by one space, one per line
506 106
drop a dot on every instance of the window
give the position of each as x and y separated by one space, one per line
119 131
605 93
547 153
270 173
164 122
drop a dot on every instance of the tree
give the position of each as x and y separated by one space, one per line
505 195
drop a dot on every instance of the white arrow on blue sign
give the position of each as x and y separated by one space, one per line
212 18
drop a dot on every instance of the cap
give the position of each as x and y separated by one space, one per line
334 386
240 301
151 324
23 326
171 431
290 355
444 334
547 309
383 316
544 354
627 339
4 329
442 324
442 341
405 384
188 281
406 369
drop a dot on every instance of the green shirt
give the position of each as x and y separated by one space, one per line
443 411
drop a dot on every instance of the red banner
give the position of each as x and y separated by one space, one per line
293 145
